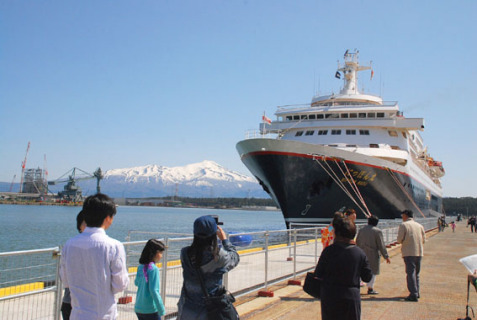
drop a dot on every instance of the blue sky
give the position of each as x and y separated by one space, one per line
117 84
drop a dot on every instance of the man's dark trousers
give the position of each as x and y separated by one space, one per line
413 267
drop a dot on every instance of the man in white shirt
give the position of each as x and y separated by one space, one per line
93 265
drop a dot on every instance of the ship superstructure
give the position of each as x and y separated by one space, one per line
348 149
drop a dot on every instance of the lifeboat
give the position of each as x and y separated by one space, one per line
436 168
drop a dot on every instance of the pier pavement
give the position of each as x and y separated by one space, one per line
443 282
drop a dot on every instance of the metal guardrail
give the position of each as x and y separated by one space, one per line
30 286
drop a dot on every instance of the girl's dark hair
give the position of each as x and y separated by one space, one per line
79 220
200 245
150 250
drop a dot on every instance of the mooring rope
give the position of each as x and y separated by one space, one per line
336 179
404 190
358 193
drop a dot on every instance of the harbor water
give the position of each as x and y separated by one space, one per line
25 227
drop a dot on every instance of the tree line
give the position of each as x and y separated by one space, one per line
465 205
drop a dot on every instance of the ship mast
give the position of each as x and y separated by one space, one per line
349 69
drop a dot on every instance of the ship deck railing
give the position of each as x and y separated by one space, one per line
30 286
336 106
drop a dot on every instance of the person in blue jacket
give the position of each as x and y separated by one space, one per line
149 305
214 262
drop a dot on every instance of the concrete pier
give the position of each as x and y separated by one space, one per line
443 282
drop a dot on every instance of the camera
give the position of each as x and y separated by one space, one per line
216 217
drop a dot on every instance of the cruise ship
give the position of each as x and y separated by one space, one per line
346 150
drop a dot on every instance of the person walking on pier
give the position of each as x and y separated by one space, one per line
340 267
93 265
370 239
411 236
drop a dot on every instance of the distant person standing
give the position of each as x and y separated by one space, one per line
471 222
411 236
453 226
351 214
66 303
93 265
370 239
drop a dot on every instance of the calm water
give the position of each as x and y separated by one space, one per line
35 227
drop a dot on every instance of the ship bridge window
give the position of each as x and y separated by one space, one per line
309 133
289 118
344 115
336 132
353 115
380 115
303 116
328 115
351 131
298 133
373 145
395 148
362 115
319 116
393 133
312 116
351 145
296 117
322 132
364 132
371 115
334 115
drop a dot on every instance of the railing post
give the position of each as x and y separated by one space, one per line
294 253
316 245
289 240
266 260
59 284
164 270
225 279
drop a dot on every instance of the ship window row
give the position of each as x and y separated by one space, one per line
360 115
371 145
333 132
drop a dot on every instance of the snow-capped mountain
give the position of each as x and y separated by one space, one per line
205 179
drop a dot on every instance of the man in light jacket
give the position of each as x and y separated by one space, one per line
371 240
411 236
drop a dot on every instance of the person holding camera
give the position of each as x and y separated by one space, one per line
204 262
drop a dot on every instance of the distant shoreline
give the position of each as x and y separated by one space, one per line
138 203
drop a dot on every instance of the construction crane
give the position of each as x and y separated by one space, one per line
11 184
71 191
23 167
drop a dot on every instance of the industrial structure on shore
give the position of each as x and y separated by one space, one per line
34 184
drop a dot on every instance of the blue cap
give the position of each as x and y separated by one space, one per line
205 227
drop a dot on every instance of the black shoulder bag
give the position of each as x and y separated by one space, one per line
312 285
220 306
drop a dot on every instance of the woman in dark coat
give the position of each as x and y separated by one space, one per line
340 267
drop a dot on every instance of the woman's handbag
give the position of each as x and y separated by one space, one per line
220 306
312 285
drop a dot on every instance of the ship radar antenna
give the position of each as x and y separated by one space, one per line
350 70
